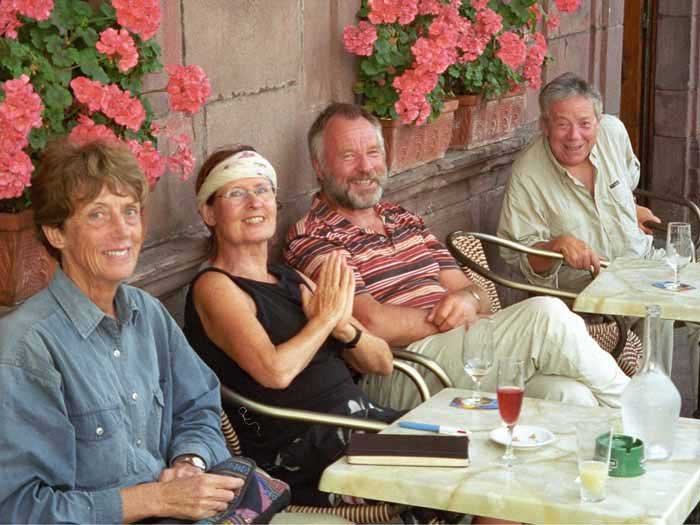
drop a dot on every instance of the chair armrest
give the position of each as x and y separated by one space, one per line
687 203
428 363
229 397
506 243
463 258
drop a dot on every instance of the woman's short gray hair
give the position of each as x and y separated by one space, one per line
566 86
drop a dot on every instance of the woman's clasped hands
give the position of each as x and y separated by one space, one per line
332 301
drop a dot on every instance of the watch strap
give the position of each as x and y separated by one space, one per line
353 342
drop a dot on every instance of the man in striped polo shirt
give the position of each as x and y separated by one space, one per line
410 291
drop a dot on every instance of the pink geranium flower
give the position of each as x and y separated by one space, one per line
9 9
20 112
22 107
87 131
567 6
390 11
120 43
15 173
552 21
36 9
138 16
429 7
124 109
182 161
188 87
512 50
479 4
88 92
488 22
360 40
150 160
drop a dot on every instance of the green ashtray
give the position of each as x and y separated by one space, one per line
626 456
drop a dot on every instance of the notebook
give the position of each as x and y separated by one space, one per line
408 449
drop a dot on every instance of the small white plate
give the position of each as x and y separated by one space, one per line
524 436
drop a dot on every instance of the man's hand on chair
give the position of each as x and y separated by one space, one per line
454 309
577 254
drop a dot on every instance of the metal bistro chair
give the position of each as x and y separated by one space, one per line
612 336
369 513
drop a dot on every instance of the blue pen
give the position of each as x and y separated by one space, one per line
440 429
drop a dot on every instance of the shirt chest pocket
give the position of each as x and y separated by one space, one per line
101 458
154 421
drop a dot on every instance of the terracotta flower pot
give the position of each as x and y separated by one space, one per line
478 122
25 265
408 146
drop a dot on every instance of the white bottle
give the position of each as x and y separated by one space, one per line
651 403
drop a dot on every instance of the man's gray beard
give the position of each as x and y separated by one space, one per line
347 200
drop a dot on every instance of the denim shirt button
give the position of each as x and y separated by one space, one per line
138 442
116 352
134 396
99 431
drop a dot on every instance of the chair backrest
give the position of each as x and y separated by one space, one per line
232 441
468 251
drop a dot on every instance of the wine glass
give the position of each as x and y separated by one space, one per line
477 363
679 250
511 387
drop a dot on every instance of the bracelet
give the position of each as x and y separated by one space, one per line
476 296
353 342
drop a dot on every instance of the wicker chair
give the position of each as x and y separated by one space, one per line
612 336
371 512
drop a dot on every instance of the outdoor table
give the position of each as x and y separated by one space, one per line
625 288
539 490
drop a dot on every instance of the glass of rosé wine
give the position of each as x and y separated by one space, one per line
511 388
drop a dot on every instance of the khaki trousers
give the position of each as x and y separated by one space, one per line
562 362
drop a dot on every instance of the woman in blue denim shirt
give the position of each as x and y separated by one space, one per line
107 414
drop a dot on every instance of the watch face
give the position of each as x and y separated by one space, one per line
198 462
195 461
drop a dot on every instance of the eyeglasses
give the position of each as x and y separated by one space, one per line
264 192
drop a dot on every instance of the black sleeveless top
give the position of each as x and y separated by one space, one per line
325 383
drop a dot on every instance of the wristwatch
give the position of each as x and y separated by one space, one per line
353 342
192 459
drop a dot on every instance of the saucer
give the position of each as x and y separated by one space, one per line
524 436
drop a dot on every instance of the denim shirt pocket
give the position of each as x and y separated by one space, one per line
155 418
101 459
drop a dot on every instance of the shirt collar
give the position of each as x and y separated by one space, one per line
83 313
561 169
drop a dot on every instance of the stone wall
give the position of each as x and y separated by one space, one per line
676 151
274 64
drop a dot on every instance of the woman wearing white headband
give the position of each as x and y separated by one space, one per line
271 334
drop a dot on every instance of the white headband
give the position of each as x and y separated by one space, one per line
242 165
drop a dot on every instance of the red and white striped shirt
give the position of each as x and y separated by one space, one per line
400 268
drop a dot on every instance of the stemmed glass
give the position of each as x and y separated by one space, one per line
511 387
477 363
679 250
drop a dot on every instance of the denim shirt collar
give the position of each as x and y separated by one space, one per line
83 313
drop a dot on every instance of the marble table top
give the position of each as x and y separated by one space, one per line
541 489
625 287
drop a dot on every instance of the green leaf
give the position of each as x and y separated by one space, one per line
53 43
369 67
88 35
89 65
58 96
81 9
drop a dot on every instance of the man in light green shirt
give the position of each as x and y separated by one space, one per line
571 191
